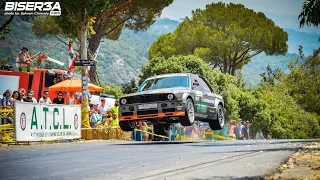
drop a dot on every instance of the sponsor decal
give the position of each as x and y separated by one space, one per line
23 121
210 101
201 108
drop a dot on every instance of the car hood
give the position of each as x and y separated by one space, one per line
160 91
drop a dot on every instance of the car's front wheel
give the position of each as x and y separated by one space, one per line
219 123
127 125
189 117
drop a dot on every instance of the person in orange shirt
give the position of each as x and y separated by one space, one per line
69 98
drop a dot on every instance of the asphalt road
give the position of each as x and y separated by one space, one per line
118 160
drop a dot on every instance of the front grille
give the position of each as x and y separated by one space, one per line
127 113
147 112
169 110
147 98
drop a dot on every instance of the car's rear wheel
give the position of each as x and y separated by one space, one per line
189 117
219 122
127 125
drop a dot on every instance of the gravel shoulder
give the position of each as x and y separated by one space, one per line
304 164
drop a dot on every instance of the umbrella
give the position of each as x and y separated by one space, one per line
74 85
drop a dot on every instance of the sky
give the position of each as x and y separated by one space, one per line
283 12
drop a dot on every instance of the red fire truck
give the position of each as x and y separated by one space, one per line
38 80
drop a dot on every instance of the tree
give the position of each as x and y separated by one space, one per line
225 35
303 81
113 89
105 19
270 76
129 87
310 13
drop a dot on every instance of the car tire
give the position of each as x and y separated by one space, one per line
189 117
127 125
219 122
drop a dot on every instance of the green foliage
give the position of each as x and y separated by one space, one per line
303 81
270 75
4 33
225 35
129 87
113 89
310 13
270 106
46 25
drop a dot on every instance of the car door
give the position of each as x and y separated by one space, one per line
201 107
208 97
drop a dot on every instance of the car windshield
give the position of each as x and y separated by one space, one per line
165 82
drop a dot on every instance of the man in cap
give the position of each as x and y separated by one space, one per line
24 59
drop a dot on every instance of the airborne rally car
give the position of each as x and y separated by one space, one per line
172 98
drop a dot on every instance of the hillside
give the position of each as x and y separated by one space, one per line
119 61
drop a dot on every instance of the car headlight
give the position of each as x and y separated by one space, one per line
123 101
170 96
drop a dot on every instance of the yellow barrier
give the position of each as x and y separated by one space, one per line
6 130
152 133
219 136
178 136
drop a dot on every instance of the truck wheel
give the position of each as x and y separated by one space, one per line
188 119
127 125
219 122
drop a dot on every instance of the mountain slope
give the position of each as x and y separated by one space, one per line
121 60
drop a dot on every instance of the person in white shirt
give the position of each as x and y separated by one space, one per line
45 98
33 98
103 108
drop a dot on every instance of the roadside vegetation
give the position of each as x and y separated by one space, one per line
216 42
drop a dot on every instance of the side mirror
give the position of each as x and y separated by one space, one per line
195 84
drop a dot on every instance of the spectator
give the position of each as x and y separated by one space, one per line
246 131
232 127
103 108
174 131
33 98
69 98
145 136
59 99
45 99
239 129
55 80
15 97
22 92
5 101
28 98
93 118
24 59
114 113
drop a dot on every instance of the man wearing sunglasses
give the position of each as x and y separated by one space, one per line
59 99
